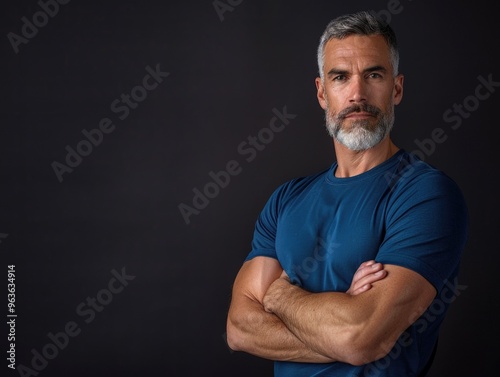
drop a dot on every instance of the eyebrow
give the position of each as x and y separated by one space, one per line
375 68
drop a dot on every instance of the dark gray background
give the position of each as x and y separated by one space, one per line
119 207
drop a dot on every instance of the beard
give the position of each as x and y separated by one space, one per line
362 134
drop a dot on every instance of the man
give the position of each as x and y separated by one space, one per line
297 298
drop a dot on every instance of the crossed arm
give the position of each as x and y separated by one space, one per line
271 318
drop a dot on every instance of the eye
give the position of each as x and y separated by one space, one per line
375 75
339 78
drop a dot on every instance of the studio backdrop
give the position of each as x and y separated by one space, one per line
139 141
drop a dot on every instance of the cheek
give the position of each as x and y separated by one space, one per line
384 101
334 102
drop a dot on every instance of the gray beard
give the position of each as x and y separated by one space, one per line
361 135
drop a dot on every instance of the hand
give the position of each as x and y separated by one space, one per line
367 273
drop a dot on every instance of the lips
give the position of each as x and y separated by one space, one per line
359 115
362 111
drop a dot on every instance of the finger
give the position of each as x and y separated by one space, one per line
366 264
367 270
357 291
369 279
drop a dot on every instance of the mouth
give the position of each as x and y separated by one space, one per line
359 112
359 115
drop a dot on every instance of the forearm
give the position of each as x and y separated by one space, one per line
327 330
251 329
352 329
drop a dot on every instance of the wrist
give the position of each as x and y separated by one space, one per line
276 294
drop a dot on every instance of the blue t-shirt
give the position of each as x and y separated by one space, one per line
402 212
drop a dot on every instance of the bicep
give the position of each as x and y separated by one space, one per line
394 303
250 285
254 278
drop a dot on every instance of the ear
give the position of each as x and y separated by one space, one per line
320 93
398 89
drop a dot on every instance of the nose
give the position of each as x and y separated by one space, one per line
358 90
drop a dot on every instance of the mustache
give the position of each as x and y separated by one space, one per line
365 108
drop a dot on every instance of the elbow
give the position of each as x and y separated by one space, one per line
368 355
236 336
358 357
233 336
359 349
241 327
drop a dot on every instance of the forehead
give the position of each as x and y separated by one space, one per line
372 50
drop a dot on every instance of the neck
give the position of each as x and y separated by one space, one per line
351 163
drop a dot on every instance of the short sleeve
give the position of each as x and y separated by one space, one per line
426 227
264 236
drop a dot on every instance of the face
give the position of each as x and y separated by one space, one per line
359 91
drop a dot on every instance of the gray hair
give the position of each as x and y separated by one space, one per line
360 23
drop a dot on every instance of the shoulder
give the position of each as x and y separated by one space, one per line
299 185
414 175
293 189
423 190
